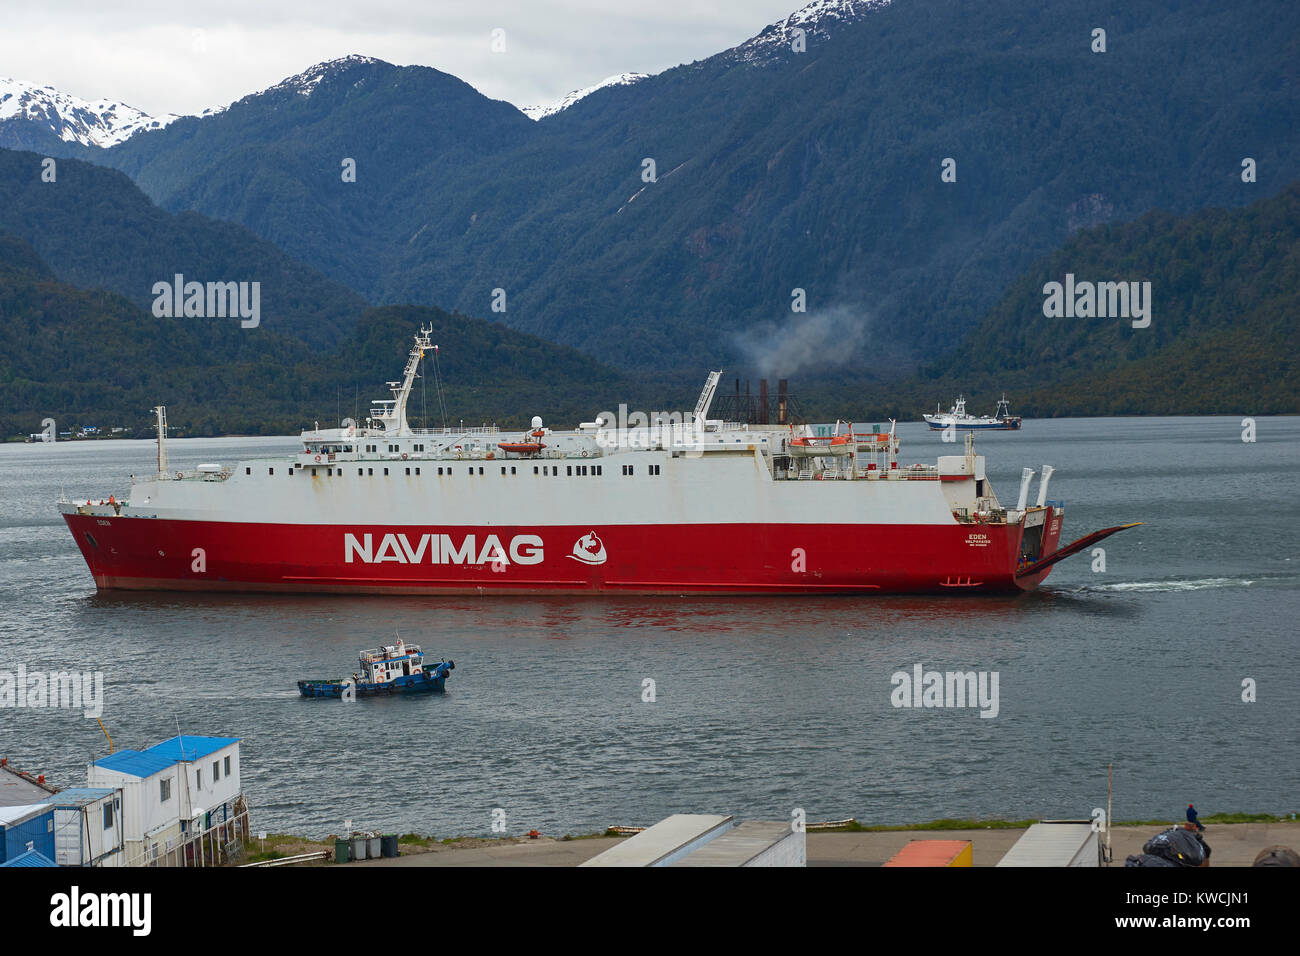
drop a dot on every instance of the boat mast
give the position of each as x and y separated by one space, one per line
161 412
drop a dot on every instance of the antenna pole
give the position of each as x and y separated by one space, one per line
161 413
437 377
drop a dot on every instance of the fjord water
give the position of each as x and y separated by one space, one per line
762 704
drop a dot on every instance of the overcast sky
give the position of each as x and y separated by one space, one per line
173 56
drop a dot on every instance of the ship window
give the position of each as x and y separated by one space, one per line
108 816
198 779
600 469
329 472
503 469
385 472
417 471
216 770
358 471
270 471
248 471
440 472
534 469
480 469
370 471
164 790
568 470
408 471
227 763
512 469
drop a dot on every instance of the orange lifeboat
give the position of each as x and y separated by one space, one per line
821 442
821 445
521 447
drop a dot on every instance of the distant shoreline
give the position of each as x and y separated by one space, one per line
172 436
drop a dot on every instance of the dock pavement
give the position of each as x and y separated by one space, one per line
1233 844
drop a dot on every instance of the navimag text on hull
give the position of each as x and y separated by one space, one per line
694 505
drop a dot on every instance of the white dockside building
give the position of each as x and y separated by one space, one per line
181 800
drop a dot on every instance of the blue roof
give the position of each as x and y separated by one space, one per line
78 796
146 763
190 748
30 858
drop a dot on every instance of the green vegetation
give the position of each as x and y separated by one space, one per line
92 357
96 230
853 826
817 170
593 836
1225 288
1220 818
415 839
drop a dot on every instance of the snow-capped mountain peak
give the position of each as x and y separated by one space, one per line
305 82
621 79
74 120
817 18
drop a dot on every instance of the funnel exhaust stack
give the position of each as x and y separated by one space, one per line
1042 486
1026 476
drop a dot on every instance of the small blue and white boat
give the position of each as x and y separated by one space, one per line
1001 420
392 669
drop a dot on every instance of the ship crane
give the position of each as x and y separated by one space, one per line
706 398
394 416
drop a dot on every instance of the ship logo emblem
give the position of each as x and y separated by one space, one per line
589 549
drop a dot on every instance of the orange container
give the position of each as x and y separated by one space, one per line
933 853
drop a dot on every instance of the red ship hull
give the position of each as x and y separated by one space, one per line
184 555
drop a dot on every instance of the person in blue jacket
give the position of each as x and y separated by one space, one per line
1192 818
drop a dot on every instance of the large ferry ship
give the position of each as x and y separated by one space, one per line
681 504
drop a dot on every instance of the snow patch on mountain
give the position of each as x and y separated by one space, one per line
101 123
817 19
621 79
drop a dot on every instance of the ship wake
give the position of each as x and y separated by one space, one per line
1197 584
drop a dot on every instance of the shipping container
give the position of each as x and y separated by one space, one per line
1065 843
934 853
26 828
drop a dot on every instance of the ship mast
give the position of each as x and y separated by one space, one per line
161 412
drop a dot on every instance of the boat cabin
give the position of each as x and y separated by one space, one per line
387 663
